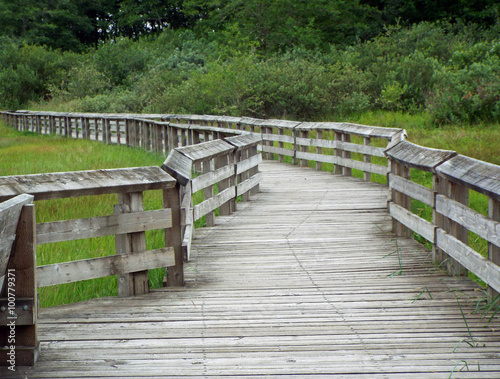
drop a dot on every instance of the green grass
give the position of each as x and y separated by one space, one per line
27 153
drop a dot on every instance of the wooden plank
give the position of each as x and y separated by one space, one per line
212 177
344 162
248 184
278 137
179 166
412 221
245 140
71 230
480 176
347 146
93 268
277 150
206 150
84 183
470 219
10 212
419 157
412 189
248 163
469 258
213 203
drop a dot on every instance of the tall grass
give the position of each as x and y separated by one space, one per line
27 153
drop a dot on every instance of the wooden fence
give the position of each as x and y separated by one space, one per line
346 147
19 344
128 224
454 176
229 167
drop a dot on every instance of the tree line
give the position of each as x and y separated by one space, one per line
269 25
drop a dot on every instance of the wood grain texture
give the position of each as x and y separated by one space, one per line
419 157
300 282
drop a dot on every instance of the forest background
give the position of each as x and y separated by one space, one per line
300 59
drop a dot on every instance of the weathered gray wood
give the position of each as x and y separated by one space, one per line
480 176
278 137
85 183
178 166
419 157
277 150
248 184
173 238
248 163
470 219
74 271
469 258
493 250
103 226
245 140
206 150
211 204
10 212
212 177
412 221
412 189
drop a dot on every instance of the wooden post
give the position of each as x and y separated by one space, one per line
304 148
367 159
493 250
21 272
136 283
347 171
208 193
175 274
281 144
338 153
461 194
319 149
250 153
439 185
400 199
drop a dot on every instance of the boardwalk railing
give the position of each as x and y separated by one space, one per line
345 147
128 224
453 176
19 344
227 169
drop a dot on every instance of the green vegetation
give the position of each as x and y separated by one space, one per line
27 153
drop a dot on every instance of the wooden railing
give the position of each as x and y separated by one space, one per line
454 176
229 167
344 147
128 224
19 345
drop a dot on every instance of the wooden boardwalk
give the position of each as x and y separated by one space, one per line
304 280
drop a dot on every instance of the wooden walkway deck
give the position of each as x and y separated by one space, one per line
301 281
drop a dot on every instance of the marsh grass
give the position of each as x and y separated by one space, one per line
28 153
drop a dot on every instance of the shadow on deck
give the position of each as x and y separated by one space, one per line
306 279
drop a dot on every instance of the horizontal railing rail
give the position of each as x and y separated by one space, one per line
454 176
128 224
220 170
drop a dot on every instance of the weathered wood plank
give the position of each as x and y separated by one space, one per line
10 211
213 203
69 272
212 177
419 157
85 183
412 189
248 184
71 230
480 176
178 166
470 219
248 163
469 258
412 221
277 150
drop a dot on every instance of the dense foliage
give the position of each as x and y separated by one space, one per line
272 59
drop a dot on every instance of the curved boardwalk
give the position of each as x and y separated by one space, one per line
304 280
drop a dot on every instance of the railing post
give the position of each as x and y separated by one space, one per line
367 159
347 171
439 186
281 132
175 274
136 283
208 192
21 273
338 170
304 148
400 199
493 250
319 149
222 161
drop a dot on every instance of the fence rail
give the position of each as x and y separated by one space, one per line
453 176
222 169
345 146
128 224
